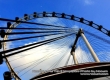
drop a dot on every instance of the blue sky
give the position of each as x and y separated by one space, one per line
94 10
97 11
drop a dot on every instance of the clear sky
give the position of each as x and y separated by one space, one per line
97 11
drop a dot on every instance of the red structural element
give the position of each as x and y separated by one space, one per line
77 71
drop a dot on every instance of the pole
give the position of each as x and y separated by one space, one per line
89 47
74 57
74 47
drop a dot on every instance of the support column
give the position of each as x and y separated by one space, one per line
89 47
74 57
74 47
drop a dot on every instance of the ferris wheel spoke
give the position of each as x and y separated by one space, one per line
41 43
54 35
31 37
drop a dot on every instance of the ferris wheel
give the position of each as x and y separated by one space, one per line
41 42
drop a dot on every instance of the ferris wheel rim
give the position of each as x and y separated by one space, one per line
56 15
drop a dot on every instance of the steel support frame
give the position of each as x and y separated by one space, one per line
89 46
81 33
74 47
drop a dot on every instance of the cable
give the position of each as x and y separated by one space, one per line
31 44
97 37
55 64
3 19
67 60
34 60
29 37
101 46
31 54
29 66
33 66
35 28
16 33
46 41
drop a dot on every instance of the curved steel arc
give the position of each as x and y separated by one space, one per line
13 73
63 15
44 14
31 23
75 18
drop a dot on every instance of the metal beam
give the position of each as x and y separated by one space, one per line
89 46
73 48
